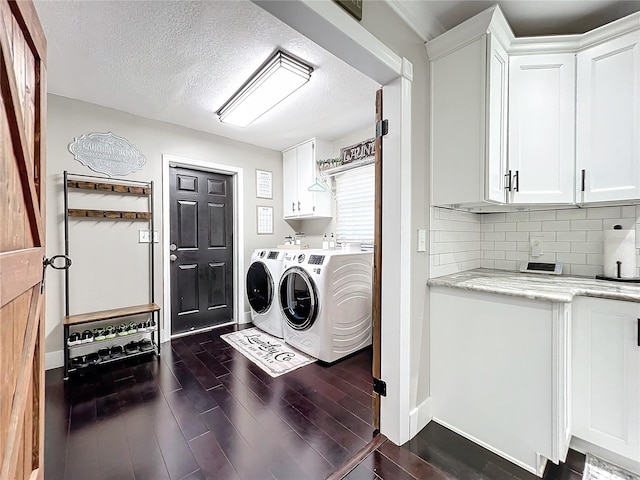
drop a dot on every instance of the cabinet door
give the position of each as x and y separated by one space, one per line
606 375
541 128
496 157
290 182
608 120
306 177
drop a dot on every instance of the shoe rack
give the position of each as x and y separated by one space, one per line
81 349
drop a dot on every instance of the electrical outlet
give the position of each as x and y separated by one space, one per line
537 246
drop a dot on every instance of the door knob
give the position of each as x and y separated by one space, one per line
172 247
173 257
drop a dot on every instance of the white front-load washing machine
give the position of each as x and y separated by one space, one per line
263 277
326 299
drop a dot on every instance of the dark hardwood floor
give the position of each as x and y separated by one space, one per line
203 411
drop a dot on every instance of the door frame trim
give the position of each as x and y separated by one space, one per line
238 235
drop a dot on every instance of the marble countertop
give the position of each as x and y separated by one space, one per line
538 286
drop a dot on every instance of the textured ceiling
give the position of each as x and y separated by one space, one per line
179 61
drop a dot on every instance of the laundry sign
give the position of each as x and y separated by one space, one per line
107 153
358 152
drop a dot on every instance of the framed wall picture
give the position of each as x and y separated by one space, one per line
264 184
264 220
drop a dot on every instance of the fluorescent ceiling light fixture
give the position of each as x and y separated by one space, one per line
278 78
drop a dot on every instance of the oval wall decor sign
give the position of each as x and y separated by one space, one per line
107 153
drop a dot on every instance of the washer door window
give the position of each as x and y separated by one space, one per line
298 299
259 287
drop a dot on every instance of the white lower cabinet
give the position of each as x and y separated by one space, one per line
499 373
606 375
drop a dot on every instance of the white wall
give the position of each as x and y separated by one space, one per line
108 269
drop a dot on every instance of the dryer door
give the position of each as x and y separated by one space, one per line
298 298
259 287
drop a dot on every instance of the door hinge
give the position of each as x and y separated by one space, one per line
382 128
380 387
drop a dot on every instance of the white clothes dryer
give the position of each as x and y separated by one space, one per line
326 302
263 277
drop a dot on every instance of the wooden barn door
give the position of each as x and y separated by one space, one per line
22 241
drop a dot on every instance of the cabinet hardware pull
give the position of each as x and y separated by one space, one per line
639 332
293 206
517 178
299 206
582 181
507 177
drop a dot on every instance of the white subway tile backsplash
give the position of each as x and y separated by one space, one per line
586 247
595 259
494 217
603 212
517 256
571 236
494 255
580 258
484 263
556 226
506 264
571 214
586 270
493 236
586 224
543 215
595 236
517 236
463 240
504 227
517 217
529 226
506 246
557 247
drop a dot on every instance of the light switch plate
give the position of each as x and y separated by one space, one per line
422 240
144 236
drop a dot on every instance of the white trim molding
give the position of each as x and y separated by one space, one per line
239 316
418 17
420 416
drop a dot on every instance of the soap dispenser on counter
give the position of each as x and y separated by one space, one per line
325 242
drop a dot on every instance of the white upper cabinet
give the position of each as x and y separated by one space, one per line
515 121
541 128
608 120
468 112
299 171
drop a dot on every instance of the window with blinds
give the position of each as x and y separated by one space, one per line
355 198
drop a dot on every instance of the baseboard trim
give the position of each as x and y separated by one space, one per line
246 318
419 417
53 360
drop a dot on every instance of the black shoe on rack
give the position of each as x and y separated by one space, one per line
93 358
87 336
145 345
131 347
116 351
79 362
122 329
74 339
104 354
